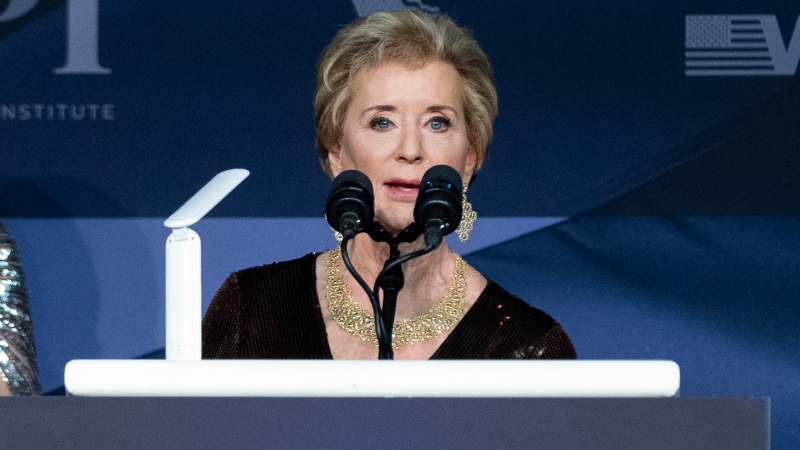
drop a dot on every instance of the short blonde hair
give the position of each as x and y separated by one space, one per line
410 38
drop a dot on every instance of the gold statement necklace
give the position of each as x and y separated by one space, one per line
361 323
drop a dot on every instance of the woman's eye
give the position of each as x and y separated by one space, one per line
381 123
439 123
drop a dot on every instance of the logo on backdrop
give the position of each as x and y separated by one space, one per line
81 59
82 30
739 45
367 7
57 112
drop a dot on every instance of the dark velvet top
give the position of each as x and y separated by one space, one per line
273 312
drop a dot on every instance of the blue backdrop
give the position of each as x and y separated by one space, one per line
642 186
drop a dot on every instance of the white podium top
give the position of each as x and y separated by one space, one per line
315 378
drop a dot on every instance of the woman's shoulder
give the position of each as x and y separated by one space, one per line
278 268
514 329
298 269
495 297
258 311
274 280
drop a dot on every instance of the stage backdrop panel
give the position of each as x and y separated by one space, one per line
124 108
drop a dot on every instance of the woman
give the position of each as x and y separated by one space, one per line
19 372
397 93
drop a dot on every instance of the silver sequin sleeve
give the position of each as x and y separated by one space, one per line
17 348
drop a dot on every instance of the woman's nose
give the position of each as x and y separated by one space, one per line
410 148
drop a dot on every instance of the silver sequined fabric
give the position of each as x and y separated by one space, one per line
17 348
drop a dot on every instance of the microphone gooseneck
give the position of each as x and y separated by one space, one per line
437 213
350 208
438 207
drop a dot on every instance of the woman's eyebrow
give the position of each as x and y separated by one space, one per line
390 108
442 107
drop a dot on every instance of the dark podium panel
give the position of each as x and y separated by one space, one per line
670 423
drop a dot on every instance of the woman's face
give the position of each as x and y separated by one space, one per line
401 122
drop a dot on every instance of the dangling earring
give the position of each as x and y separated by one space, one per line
468 216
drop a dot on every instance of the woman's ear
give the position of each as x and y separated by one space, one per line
469 167
335 159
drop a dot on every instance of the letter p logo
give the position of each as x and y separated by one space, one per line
82 31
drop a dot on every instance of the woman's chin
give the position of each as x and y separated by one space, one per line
394 216
395 229
395 225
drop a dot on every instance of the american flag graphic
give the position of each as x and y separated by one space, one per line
732 45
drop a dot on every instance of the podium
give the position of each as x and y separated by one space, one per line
341 404
414 423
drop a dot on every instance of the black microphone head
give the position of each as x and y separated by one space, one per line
439 198
351 202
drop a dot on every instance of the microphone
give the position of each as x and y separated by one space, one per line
350 207
438 207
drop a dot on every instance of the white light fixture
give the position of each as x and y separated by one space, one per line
184 301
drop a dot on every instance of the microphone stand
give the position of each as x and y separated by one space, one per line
438 204
391 279
380 331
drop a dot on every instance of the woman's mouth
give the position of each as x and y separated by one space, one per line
403 189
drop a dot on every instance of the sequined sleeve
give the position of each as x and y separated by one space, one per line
17 348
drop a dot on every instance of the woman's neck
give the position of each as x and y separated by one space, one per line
427 278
